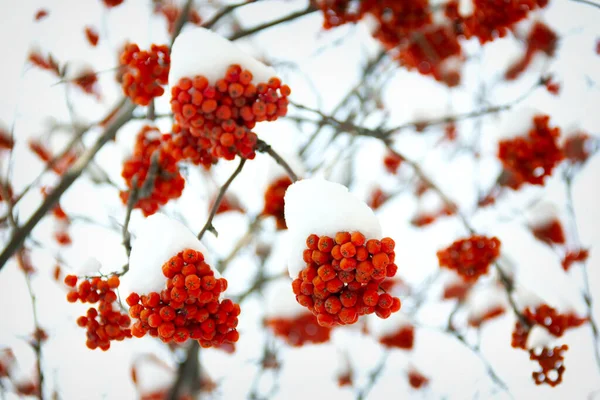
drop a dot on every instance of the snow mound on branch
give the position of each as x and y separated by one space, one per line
485 298
538 337
282 302
158 239
323 208
380 328
89 267
199 51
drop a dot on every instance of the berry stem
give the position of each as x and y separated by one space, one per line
208 226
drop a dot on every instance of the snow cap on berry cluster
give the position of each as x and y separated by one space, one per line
199 51
320 207
157 240
485 298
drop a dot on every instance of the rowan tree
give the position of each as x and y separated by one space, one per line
299 199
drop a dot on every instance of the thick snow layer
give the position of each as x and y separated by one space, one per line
158 239
323 208
465 8
90 267
539 337
380 328
199 51
282 301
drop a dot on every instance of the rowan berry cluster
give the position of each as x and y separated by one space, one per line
540 39
342 277
404 338
297 331
145 72
549 318
224 115
578 147
188 307
530 159
167 181
471 257
274 205
428 52
171 12
549 360
103 323
91 36
550 232
417 380
338 12
377 198
184 146
491 19
392 162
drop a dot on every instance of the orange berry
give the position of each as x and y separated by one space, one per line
342 238
357 238
348 250
71 280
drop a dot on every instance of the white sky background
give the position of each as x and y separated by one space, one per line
30 97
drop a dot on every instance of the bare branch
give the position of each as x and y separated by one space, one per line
208 226
309 10
20 234
266 148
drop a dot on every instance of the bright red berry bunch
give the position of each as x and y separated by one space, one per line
103 323
182 145
342 276
338 12
188 307
168 183
404 338
145 72
224 115
550 232
470 257
427 52
274 205
491 18
540 39
299 330
392 162
530 159
549 360
171 12
547 317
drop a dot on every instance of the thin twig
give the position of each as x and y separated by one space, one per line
587 294
226 10
266 148
373 377
208 226
309 10
243 242
183 17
